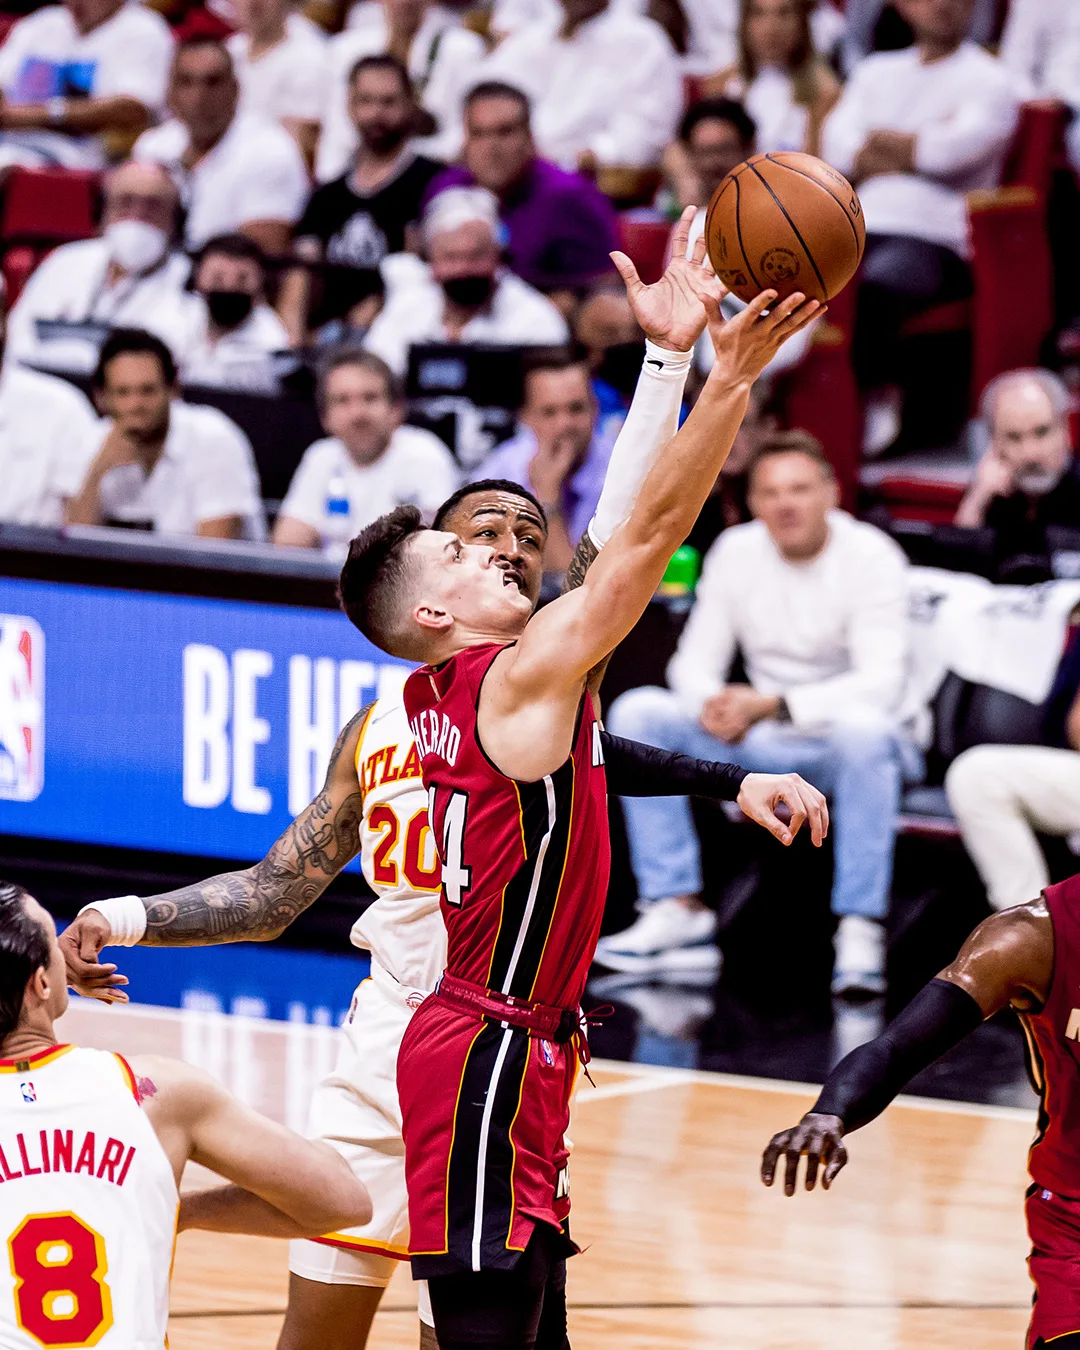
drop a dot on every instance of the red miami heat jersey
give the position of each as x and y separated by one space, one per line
525 865
1054 1044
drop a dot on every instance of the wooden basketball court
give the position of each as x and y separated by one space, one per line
920 1244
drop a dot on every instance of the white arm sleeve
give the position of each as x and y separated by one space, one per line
651 422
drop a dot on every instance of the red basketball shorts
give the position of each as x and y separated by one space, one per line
1054 1228
484 1111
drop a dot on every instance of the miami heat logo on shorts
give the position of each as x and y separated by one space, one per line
22 708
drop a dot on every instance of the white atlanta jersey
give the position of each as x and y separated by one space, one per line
403 928
88 1205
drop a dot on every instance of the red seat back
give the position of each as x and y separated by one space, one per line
48 206
1038 146
645 242
1012 308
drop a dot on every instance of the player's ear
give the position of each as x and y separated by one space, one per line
432 618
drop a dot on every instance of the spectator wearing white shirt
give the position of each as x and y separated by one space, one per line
441 57
282 68
45 428
133 275
604 85
783 83
1041 44
237 334
160 464
80 81
368 464
915 130
464 294
817 604
236 172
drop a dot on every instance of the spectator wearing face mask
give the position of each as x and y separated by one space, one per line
237 333
352 223
132 275
1028 478
464 294
560 227
615 348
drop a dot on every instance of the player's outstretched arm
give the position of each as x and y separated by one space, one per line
1007 960
283 1185
637 770
566 639
254 904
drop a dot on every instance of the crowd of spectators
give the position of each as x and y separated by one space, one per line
371 206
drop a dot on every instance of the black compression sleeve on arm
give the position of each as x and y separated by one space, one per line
636 770
865 1082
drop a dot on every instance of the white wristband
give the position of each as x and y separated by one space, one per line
666 363
126 917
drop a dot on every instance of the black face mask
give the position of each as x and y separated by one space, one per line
469 292
621 366
229 309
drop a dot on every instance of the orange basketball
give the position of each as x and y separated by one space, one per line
787 221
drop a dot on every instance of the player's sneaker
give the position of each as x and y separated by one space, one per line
668 935
859 966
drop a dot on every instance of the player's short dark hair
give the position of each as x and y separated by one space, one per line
794 442
374 583
231 246
483 485
499 89
133 342
383 61
347 355
24 949
718 110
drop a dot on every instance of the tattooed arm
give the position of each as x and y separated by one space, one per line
585 555
255 904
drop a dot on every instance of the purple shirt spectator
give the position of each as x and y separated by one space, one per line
581 489
560 226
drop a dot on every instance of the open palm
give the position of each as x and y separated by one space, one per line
672 310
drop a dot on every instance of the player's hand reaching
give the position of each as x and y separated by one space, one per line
820 1139
671 311
745 345
762 794
81 942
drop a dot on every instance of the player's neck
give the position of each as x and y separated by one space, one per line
28 1039
459 640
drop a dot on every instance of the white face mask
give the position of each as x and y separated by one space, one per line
134 245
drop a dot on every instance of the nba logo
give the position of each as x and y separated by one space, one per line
22 708
28 1093
547 1050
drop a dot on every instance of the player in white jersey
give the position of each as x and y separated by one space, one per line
373 802
91 1153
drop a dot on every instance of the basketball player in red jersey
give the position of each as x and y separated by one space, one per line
511 756
1027 958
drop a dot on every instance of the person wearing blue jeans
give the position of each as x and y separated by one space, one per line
817 604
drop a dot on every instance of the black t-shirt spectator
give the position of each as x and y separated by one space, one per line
356 230
1021 551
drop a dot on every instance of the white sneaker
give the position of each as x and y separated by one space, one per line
881 425
669 1010
859 967
664 926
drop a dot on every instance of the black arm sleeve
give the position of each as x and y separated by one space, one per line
636 770
865 1082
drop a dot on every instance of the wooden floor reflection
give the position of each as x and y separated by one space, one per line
921 1243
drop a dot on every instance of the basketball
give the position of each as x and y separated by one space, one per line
788 221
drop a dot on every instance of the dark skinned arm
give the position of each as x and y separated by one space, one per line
1007 961
82 116
255 904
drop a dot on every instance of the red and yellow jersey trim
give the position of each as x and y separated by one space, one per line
360 1244
358 756
129 1078
37 1061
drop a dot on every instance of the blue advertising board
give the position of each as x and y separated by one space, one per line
167 722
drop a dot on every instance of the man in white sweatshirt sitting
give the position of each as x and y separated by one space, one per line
817 604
